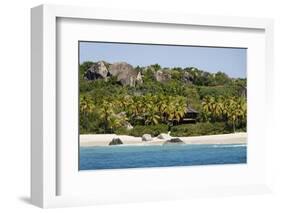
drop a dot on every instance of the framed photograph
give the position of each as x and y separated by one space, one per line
131 106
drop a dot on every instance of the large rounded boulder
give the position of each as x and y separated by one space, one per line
164 136
97 71
174 141
125 73
162 75
146 137
116 141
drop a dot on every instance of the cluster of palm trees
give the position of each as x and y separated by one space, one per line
144 110
153 109
112 113
232 110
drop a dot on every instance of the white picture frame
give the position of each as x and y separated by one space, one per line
45 166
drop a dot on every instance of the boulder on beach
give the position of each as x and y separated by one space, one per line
164 136
174 141
116 141
146 137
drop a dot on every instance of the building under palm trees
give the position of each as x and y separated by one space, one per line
190 116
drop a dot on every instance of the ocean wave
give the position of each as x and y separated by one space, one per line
228 145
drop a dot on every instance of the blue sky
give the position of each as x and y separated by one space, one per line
232 61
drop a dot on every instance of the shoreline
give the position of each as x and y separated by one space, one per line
87 140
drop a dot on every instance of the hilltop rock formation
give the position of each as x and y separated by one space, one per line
124 72
187 78
162 75
96 71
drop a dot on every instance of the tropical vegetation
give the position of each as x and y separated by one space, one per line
155 107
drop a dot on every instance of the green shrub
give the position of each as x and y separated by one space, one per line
139 130
216 91
241 129
154 130
197 129
122 131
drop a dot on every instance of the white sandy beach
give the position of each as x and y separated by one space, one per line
105 139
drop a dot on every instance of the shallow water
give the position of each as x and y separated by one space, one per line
117 157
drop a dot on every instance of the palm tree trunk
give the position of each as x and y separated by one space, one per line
233 123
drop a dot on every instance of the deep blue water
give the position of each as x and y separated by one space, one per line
116 157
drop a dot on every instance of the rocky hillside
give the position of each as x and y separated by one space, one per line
127 75
116 96
124 72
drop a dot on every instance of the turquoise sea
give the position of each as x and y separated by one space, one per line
118 157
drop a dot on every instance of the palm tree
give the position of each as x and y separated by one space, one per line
123 103
180 108
218 108
241 110
169 108
232 112
105 111
152 115
86 105
116 120
162 107
208 106
86 108
136 109
177 107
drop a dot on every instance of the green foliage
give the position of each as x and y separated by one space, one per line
231 110
204 128
155 67
112 113
107 107
138 130
202 78
221 78
177 74
148 75
193 97
122 131
215 91
85 66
